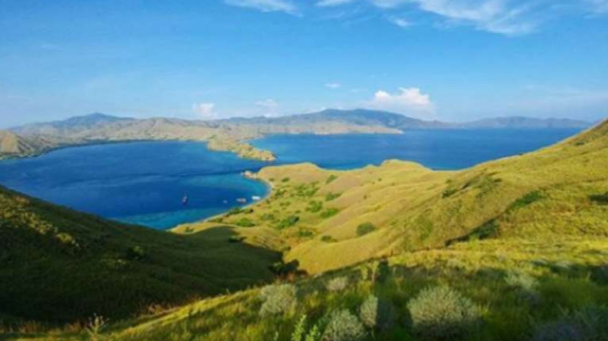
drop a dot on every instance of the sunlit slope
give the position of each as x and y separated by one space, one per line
568 275
554 192
60 265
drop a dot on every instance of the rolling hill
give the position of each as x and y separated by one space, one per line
233 134
518 244
546 194
59 265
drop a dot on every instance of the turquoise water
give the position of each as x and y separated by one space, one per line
144 183
436 149
141 183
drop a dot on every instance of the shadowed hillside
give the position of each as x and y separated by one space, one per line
59 265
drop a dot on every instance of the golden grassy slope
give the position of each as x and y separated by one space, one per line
548 192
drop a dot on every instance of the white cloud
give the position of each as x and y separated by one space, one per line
409 101
403 23
508 17
268 104
266 5
205 111
333 85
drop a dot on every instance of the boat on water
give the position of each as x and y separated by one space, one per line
241 200
256 198
185 200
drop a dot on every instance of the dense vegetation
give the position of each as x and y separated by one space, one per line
515 249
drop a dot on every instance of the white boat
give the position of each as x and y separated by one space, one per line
256 198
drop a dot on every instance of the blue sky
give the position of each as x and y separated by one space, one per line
435 59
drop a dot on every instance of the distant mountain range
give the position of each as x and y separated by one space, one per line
374 118
232 134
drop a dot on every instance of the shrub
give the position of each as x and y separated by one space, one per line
601 199
589 324
278 299
300 333
315 206
343 326
283 269
521 280
328 239
365 228
525 283
526 200
332 196
233 211
376 313
329 212
245 222
136 253
288 222
449 192
331 179
303 233
337 284
442 313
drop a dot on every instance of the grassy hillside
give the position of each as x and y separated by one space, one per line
60 266
515 249
520 290
329 219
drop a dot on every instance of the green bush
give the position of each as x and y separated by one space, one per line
526 200
449 192
331 179
328 239
343 326
601 199
329 212
314 206
278 299
136 253
376 313
233 211
525 283
337 284
365 228
440 313
288 222
300 332
245 222
332 196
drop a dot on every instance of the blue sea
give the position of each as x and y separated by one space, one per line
145 182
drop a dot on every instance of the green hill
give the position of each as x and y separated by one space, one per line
520 243
60 266
554 192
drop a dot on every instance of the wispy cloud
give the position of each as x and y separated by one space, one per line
333 85
401 22
266 5
506 17
205 111
409 101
